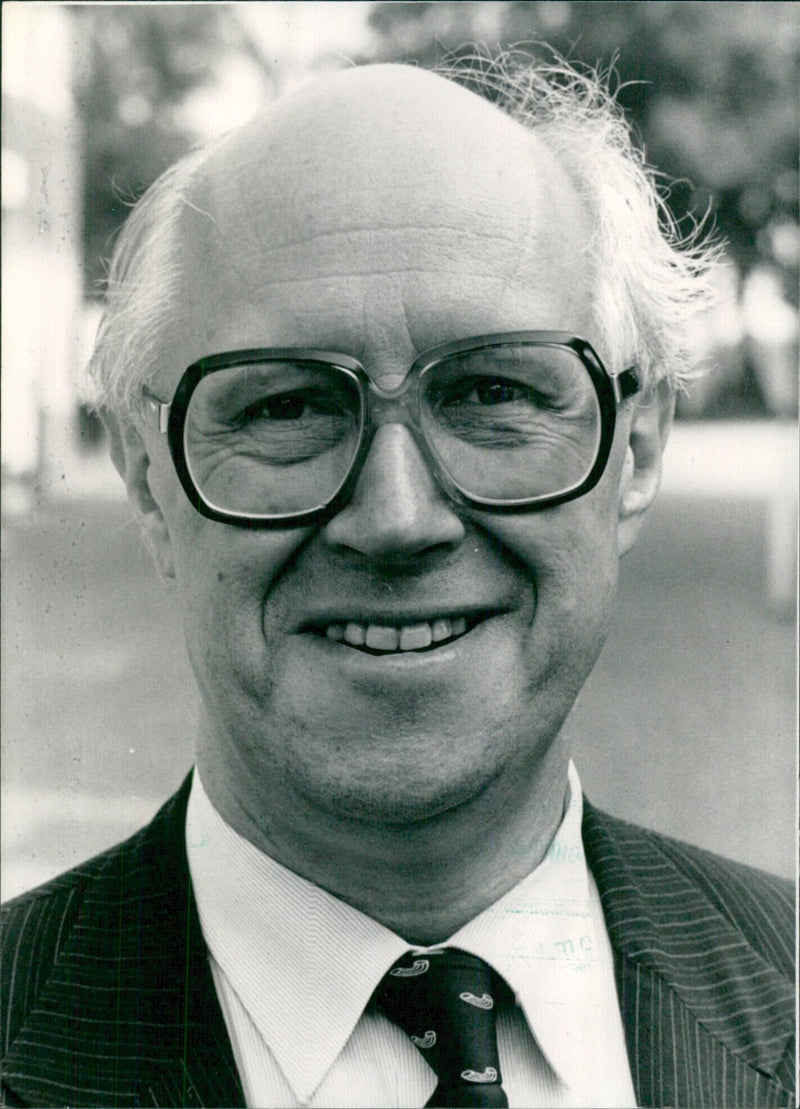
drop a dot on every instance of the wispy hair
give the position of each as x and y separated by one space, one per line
650 279
142 287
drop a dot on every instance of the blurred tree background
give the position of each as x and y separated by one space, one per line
710 89
140 64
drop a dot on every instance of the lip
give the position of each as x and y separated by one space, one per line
387 639
319 619
373 665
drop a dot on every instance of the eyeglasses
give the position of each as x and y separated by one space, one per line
277 437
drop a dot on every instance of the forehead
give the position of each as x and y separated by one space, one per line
378 213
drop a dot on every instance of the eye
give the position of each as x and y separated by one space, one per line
292 406
497 390
485 392
285 406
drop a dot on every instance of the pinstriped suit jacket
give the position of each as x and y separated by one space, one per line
108 998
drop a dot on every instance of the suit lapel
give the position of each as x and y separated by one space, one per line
130 1006
707 1019
129 1015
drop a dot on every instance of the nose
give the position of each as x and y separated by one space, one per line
397 511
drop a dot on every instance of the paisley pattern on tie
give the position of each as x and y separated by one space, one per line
445 1003
484 1002
489 1075
420 967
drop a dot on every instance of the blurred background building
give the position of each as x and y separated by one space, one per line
43 300
97 100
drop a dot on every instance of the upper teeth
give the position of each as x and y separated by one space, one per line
407 637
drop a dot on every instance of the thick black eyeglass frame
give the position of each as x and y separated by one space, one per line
171 415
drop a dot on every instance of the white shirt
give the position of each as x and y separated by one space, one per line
294 968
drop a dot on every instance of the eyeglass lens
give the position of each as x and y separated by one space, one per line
506 423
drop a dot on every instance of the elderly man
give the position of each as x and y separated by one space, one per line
388 373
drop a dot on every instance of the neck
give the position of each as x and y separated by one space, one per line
427 878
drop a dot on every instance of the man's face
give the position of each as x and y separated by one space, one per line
394 213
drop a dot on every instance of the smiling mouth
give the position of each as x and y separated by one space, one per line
383 639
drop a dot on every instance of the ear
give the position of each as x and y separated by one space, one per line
129 454
650 422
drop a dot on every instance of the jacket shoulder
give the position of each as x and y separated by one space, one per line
704 954
759 906
109 994
36 926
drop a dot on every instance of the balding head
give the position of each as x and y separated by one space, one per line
408 145
385 169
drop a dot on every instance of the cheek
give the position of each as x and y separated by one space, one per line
571 552
224 577
216 564
573 565
570 555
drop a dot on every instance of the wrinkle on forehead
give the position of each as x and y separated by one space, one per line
385 171
375 149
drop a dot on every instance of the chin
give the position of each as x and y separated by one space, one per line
393 809
401 796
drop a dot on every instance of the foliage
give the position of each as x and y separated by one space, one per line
139 64
709 88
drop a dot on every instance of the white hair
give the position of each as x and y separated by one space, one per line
650 280
141 289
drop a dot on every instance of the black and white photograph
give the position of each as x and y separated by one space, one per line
381 763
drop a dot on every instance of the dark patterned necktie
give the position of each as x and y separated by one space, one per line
445 1001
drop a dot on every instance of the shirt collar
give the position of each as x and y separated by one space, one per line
295 954
546 937
303 963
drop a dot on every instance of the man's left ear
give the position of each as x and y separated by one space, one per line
650 421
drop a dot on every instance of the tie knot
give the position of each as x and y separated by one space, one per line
446 1002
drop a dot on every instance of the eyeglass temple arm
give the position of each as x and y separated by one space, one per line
624 384
157 408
